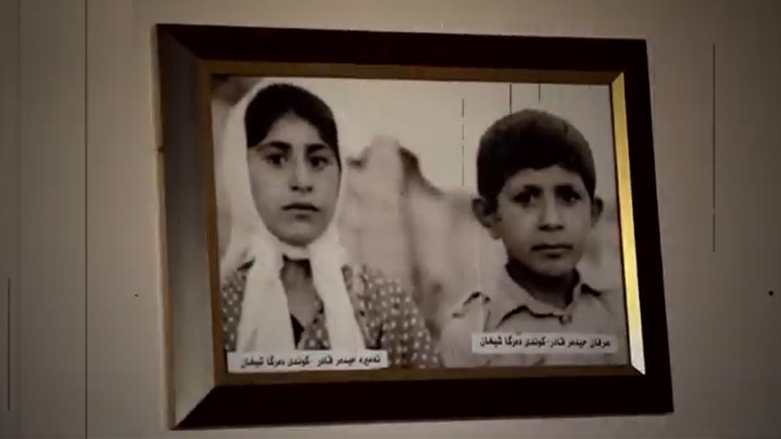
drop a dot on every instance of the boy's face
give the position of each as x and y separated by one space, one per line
543 218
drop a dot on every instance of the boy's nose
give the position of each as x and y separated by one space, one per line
550 216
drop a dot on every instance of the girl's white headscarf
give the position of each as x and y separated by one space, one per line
264 324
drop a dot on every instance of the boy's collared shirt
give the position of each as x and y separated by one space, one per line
509 308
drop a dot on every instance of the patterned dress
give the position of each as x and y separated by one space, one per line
386 314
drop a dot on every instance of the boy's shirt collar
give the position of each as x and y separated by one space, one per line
508 297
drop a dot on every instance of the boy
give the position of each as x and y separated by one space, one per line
536 181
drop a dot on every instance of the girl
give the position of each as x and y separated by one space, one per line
286 282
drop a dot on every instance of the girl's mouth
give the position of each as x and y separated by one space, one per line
300 207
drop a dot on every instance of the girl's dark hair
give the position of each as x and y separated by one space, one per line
275 101
531 139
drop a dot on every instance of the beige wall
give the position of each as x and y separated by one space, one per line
9 207
87 166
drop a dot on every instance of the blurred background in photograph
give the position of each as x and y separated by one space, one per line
410 149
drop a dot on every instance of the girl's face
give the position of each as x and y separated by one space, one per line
295 181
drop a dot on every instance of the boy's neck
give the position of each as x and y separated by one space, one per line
555 291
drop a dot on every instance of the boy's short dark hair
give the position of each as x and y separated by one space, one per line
531 139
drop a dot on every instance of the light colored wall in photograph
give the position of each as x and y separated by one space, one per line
426 118
95 367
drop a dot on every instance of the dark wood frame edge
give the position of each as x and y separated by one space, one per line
239 404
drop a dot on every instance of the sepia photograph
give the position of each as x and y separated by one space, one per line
376 223
411 216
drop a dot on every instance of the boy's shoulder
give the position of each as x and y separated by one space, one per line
610 298
465 317
467 314
469 304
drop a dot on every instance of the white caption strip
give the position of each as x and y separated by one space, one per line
543 343
252 362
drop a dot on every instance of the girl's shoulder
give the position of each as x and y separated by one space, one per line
369 283
235 281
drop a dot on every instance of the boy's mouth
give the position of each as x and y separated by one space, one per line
552 249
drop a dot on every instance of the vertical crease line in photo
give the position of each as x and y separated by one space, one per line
86 218
713 150
510 97
8 343
539 92
463 155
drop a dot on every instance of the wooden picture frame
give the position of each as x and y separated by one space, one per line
202 394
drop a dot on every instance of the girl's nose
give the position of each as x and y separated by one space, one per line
301 177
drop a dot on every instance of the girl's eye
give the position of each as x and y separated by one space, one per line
275 159
319 162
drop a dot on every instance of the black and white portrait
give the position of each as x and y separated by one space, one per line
365 223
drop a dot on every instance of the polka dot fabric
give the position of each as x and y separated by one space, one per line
386 313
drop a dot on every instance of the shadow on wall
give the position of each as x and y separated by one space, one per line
395 220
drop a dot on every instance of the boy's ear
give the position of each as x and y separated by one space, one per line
597 206
487 215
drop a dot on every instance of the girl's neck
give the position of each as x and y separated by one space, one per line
292 252
554 291
296 276
295 271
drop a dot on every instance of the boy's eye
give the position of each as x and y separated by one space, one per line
526 197
569 195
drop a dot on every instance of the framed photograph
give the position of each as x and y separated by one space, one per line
373 226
